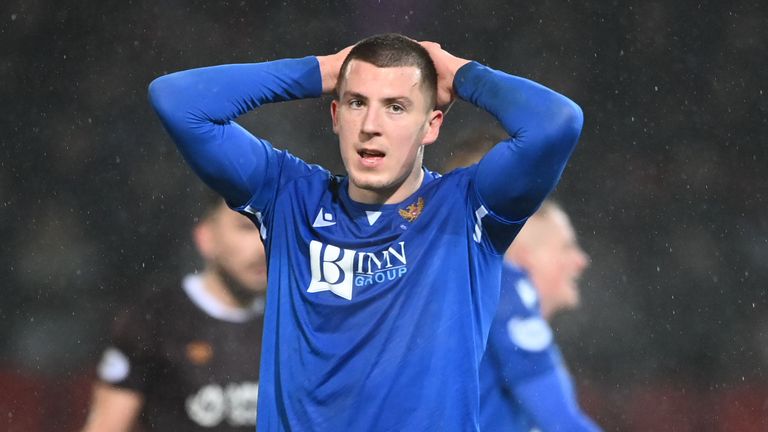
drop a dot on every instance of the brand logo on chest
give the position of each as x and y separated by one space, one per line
339 270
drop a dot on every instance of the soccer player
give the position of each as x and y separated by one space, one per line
383 282
524 384
186 359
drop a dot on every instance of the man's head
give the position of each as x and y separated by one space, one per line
232 250
548 250
384 113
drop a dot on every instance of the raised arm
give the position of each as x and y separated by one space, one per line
198 108
544 126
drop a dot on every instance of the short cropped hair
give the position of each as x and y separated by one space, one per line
208 203
394 50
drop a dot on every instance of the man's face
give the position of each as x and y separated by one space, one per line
557 262
230 244
383 118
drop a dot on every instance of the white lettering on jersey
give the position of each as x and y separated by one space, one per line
206 407
338 270
331 269
243 399
479 215
213 404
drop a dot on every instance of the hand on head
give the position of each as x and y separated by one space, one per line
446 65
330 66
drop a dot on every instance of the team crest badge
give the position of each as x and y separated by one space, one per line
413 211
199 352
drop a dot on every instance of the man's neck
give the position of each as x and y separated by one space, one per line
215 286
388 196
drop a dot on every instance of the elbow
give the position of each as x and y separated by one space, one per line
562 122
570 121
159 92
168 95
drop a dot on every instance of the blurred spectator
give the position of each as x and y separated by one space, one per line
183 359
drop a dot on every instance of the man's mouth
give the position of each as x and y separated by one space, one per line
370 157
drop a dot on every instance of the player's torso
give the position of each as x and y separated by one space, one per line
207 374
358 291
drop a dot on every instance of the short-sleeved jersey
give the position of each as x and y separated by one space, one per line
376 315
194 361
520 347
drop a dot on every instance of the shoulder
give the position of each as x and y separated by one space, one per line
460 175
519 314
518 290
153 303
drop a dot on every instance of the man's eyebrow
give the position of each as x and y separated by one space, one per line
354 95
403 100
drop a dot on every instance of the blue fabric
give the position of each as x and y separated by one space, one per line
376 315
523 381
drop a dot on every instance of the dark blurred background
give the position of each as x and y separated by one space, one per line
667 188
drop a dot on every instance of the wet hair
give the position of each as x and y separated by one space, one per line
394 50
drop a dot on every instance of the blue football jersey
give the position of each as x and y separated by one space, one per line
376 314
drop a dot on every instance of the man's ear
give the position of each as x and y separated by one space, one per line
204 240
334 115
433 127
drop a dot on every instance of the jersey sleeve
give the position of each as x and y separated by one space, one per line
131 356
550 402
518 173
520 342
198 108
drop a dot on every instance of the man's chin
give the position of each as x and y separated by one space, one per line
368 182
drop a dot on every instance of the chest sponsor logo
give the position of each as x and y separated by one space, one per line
233 404
340 270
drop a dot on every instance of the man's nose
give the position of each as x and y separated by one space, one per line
584 259
371 122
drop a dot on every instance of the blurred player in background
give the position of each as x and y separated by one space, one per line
524 383
186 358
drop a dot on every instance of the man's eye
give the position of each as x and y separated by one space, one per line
396 108
355 103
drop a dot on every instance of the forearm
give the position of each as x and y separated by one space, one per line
198 107
113 409
544 126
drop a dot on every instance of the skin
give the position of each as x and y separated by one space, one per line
235 264
548 250
235 272
383 119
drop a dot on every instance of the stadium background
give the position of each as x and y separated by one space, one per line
667 188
